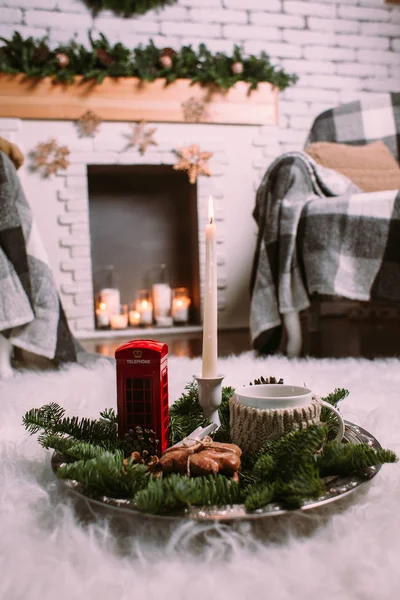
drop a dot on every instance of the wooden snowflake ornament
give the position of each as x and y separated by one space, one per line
194 162
49 157
141 137
193 110
88 124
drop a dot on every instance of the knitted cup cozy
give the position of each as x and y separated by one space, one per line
252 427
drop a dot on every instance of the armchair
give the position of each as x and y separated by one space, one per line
319 235
32 318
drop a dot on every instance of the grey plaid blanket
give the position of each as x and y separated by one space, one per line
31 315
319 234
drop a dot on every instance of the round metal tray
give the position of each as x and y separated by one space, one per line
337 488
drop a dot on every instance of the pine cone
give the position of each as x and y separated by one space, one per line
140 440
145 458
103 56
167 57
262 380
41 54
168 52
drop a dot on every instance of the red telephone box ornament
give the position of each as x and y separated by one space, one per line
142 388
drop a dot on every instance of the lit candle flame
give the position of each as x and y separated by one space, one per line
210 209
145 304
102 306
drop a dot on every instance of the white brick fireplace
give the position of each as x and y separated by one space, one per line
61 204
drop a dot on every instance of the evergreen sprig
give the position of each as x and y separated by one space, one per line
109 414
328 416
127 8
177 491
70 448
348 458
107 472
51 420
287 471
102 59
259 496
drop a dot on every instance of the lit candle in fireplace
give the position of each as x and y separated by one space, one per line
210 334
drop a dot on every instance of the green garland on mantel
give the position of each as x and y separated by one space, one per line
35 58
287 471
127 8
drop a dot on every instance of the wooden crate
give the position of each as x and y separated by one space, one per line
129 99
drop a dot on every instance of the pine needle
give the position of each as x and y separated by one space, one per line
259 496
107 474
51 420
344 459
178 491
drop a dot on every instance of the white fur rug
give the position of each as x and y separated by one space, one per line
47 553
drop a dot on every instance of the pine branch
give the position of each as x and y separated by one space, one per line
336 396
298 448
259 496
344 459
264 468
328 416
162 495
107 474
69 448
305 483
109 414
45 417
51 420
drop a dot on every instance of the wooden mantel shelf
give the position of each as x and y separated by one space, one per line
129 99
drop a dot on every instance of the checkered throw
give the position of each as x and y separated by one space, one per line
31 315
318 233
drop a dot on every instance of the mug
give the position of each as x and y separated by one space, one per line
268 411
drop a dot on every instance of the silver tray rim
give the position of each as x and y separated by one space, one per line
337 489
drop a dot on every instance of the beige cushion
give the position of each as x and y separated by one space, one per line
371 167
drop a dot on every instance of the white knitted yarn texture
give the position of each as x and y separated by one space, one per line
252 427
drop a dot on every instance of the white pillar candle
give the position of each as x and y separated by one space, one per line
145 309
134 318
119 321
180 310
102 315
162 294
210 321
111 298
180 305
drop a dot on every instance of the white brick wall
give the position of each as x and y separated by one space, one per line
310 37
341 50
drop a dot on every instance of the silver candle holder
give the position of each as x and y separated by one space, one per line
210 396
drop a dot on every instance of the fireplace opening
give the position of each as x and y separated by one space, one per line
142 217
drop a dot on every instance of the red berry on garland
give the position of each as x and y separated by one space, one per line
62 60
103 56
166 62
166 59
237 68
